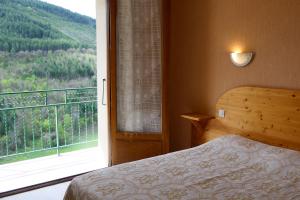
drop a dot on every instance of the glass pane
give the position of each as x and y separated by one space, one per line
139 66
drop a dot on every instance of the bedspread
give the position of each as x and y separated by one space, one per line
230 167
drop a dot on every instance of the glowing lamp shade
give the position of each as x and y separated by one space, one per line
241 59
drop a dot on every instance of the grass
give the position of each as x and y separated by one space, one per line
39 154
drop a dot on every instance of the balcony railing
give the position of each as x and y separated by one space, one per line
47 120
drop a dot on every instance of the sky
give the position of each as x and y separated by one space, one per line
84 7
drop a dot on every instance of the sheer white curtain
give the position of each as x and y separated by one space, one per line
139 65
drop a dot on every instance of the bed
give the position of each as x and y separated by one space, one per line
242 157
230 167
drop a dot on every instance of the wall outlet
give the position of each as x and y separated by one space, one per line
221 113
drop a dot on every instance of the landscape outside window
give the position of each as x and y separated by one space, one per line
47 80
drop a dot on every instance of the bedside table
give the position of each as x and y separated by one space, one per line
199 122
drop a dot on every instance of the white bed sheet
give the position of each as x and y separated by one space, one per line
230 167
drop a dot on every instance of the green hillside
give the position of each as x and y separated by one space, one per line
28 25
43 46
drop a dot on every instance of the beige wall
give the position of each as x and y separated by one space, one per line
203 32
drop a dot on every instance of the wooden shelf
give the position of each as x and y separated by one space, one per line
196 117
198 122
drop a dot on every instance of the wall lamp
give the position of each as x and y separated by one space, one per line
241 59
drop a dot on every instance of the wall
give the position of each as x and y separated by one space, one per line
203 32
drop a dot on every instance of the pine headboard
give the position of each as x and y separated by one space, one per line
268 115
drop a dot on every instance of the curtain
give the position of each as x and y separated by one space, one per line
139 66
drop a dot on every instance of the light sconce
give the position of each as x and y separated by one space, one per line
241 59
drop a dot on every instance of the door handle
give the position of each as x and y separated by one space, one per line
103 91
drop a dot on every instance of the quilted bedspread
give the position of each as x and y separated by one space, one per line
230 167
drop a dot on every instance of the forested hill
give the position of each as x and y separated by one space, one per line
29 25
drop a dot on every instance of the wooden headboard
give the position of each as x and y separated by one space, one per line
268 115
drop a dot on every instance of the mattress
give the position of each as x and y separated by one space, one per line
230 167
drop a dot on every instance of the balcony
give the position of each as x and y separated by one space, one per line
46 135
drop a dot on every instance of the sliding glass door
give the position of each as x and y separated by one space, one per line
137 66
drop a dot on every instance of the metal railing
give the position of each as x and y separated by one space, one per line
47 119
